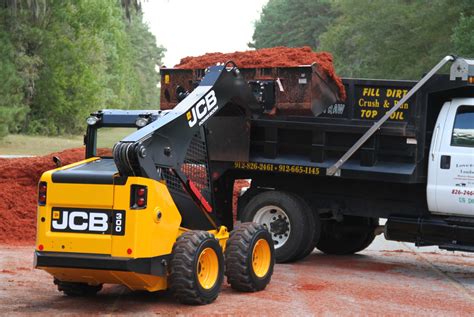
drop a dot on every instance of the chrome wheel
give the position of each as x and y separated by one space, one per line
276 221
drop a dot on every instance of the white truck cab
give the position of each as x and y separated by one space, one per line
450 188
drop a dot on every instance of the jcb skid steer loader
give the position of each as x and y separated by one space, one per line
144 218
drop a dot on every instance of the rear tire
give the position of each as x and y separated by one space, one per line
281 214
312 231
350 236
75 289
249 258
196 268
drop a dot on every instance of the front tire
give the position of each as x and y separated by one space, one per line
249 258
349 236
196 268
281 214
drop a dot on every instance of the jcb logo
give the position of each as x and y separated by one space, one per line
202 110
81 221
89 221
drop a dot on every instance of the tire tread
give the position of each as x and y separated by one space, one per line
181 278
236 259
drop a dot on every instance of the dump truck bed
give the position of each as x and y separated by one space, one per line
287 135
304 90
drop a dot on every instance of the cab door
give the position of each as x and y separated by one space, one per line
451 161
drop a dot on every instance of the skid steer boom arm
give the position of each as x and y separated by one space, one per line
163 144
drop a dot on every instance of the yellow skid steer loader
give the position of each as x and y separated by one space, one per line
144 216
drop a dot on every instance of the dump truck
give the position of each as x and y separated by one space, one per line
143 214
322 177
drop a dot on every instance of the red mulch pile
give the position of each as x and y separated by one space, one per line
268 57
18 192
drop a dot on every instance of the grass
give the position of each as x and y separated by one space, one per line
107 137
18 144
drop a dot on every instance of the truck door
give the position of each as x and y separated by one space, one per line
451 161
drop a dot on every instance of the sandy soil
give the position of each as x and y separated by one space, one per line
391 280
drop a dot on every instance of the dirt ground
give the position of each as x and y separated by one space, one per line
388 279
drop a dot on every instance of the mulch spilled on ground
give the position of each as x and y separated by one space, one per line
268 57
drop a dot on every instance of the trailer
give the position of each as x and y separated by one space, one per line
323 175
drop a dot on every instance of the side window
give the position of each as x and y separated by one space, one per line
463 131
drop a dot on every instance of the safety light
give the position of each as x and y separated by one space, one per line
42 189
141 122
141 202
141 192
92 120
129 251
138 197
41 247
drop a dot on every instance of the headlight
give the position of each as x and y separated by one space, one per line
141 122
92 120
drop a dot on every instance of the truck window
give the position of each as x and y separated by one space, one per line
463 131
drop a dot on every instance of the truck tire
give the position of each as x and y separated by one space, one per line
349 236
76 289
312 231
249 258
196 268
282 215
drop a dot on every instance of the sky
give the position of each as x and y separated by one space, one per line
194 27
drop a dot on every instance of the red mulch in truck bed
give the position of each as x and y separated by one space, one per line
268 57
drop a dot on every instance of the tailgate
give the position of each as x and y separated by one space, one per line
77 216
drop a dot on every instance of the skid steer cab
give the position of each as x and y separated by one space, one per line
140 212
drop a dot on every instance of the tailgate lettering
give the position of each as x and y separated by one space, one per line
98 222
80 224
88 221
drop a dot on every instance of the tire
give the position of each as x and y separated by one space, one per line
312 231
75 289
249 258
350 236
196 268
281 214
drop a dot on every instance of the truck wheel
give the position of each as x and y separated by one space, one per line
349 236
249 258
312 231
77 289
281 214
196 268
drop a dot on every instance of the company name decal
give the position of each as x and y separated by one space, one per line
88 221
201 111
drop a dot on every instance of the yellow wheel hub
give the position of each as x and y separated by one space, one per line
261 258
207 268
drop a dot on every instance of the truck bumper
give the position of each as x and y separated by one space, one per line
451 233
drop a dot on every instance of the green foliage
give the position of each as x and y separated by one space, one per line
75 58
394 39
292 23
463 38
373 38
11 94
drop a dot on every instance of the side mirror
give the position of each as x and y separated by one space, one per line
57 161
